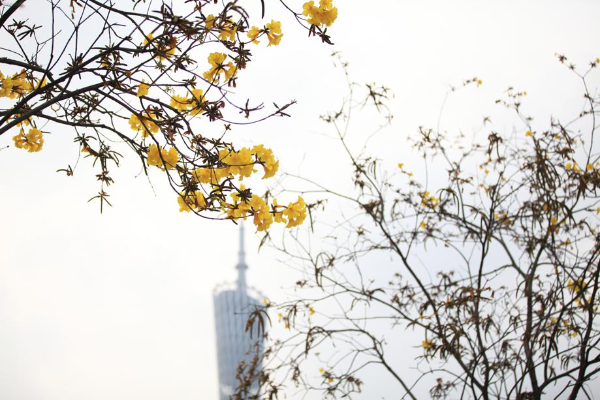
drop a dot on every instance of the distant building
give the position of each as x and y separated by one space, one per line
233 304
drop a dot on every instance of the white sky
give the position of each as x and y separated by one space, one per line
118 306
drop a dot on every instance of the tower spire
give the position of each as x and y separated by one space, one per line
242 266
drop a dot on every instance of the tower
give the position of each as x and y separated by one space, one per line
233 305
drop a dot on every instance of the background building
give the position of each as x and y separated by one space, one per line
233 304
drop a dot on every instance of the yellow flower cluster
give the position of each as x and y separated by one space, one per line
274 32
209 22
142 89
253 34
267 159
241 209
263 216
18 85
180 103
146 123
31 141
218 67
166 159
209 175
14 87
427 200
191 201
228 31
240 162
325 14
185 104
295 213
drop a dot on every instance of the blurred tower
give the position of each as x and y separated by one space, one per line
233 304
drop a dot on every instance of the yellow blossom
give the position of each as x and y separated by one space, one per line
210 175
181 103
191 201
143 89
295 212
209 22
147 39
528 133
218 67
274 32
277 214
198 101
31 141
253 34
239 209
165 159
267 159
427 200
228 31
167 49
193 104
427 344
325 14
16 86
145 123
262 217
239 162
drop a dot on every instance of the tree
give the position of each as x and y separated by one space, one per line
148 75
507 307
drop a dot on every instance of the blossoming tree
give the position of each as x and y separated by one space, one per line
507 305
148 74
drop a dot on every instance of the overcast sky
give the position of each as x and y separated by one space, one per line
119 306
